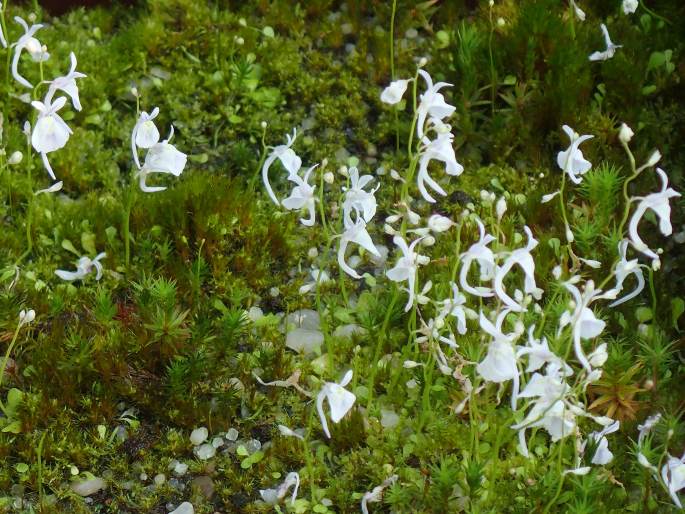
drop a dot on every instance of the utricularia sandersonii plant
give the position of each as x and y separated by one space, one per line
548 382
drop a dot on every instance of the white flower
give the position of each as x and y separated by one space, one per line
630 6
611 47
288 432
673 475
455 307
144 133
407 267
578 471
273 496
590 262
602 453
439 149
363 203
480 253
571 160
355 233
645 428
318 277
580 14
642 460
524 259
438 223
302 197
340 401
584 324
26 317
432 103
84 266
375 494
538 353
394 92
67 83
625 268
161 158
57 186
50 132
290 160
550 409
549 197
659 203
31 45
499 365
598 356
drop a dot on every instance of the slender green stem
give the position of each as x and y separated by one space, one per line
634 174
493 72
392 69
126 225
412 129
562 205
561 478
39 454
657 16
381 337
652 290
425 398
457 252
262 158
3 368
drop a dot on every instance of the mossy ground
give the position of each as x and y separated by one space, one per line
162 347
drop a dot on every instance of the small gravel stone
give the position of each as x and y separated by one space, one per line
88 487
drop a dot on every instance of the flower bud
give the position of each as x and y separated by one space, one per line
328 177
313 252
428 241
393 218
263 124
242 22
501 207
653 159
569 235
26 316
16 157
239 41
438 223
422 62
625 134
389 230
501 22
134 91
